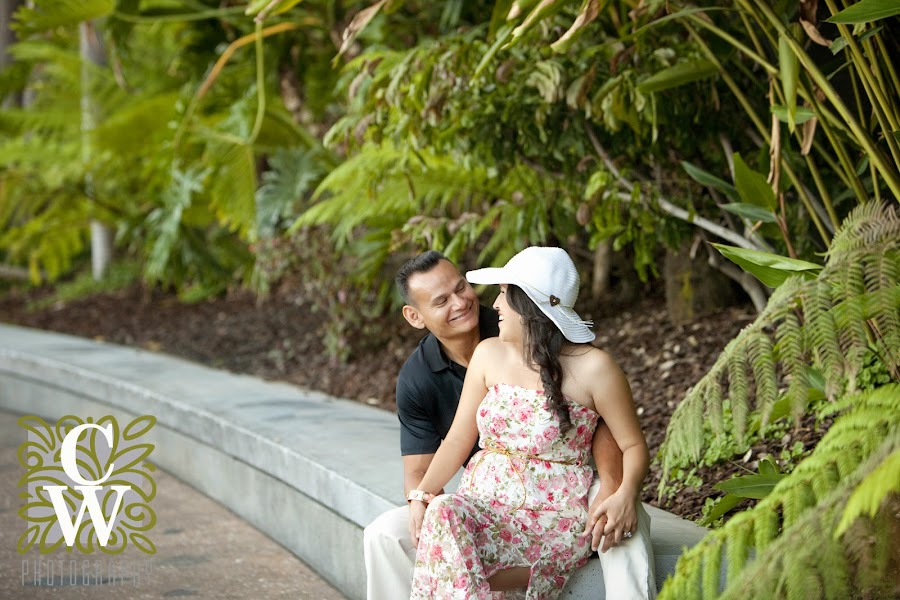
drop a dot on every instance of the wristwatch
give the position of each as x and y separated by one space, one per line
420 495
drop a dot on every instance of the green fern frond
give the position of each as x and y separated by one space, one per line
49 14
694 428
150 115
820 325
766 525
789 349
832 568
404 185
869 224
50 239
887 317
737 545
871 492
762 361
797 498
60 64
828 478
712 569
57 121
713 402
854 332
811 501
166 221
823 334
233 192
738 394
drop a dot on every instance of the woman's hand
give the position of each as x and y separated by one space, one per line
416 516
620 514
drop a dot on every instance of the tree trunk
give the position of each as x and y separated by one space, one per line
602 270
7 38
92 54
693 287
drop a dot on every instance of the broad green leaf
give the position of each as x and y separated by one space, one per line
708 179
789 69
752 186
750 486
767 467
841 43
781 409
726 503
749 211
866 11
678 74
771 269
802 114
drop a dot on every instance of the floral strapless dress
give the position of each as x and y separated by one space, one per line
522 502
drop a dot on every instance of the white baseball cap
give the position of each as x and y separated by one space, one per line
550 279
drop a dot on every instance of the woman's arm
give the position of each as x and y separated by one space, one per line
462 436
613 401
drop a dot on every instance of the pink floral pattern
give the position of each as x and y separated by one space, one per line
522 502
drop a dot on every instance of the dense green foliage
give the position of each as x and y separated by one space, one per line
313 145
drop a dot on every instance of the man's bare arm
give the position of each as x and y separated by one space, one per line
414 468
607 457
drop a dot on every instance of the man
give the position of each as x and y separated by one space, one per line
440 300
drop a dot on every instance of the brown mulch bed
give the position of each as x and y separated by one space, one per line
277 339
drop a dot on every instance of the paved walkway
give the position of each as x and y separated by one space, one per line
203 551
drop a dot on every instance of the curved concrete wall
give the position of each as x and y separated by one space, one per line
308 469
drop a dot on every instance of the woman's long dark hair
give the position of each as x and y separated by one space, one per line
543 342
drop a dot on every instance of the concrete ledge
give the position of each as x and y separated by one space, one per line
308 469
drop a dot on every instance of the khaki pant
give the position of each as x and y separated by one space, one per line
390 558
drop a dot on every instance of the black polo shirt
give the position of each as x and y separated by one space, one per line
428 390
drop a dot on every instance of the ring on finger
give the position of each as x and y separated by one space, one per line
628 534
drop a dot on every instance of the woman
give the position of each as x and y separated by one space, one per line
535 394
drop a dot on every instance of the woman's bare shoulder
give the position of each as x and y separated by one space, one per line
490 349
595 361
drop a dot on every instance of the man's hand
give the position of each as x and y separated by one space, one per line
595 525
416 516
610 517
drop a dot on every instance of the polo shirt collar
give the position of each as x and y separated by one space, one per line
435 357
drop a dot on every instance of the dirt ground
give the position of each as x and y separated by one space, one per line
280 340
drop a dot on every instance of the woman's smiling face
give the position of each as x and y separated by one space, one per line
510 320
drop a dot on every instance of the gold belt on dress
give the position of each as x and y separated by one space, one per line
491 446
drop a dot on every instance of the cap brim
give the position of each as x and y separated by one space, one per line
490 276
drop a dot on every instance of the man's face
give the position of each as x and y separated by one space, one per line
442 301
